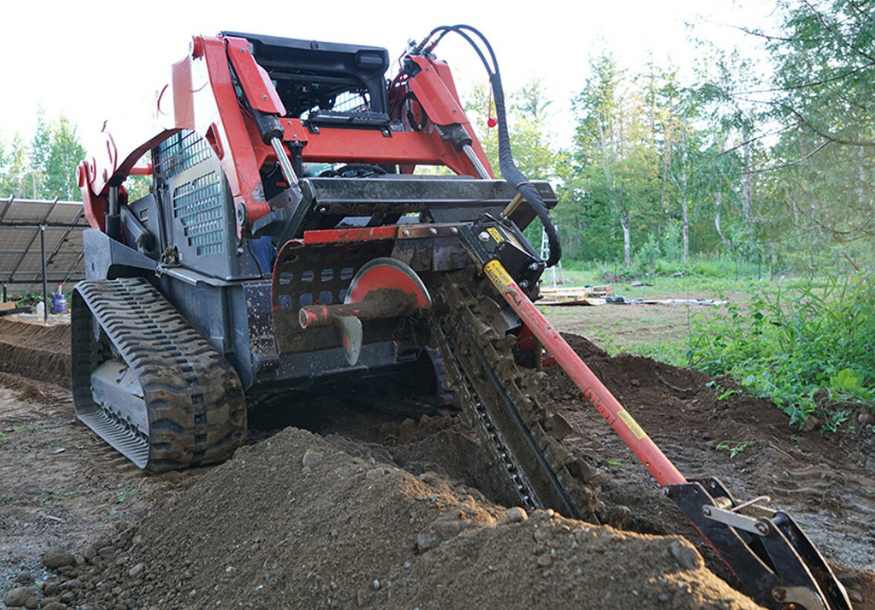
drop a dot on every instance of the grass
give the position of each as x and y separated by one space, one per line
660 332
808 348
801 343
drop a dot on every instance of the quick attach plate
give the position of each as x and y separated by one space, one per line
490 239
766 550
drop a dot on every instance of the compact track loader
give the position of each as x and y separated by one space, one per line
287 242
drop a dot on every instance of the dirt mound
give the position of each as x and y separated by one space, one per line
711 427
295 522
35 351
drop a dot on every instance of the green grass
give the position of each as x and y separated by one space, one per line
807 347
805 344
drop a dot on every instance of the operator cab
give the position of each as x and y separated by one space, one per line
325 83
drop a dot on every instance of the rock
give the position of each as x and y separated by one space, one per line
18 596
865 418
811 423
618 515
686 557
407 431
516 514
855 596
71 585
106 552
542 514
54 606
311 457
55 558
426 541
375 584
32 601
136 570
545 560
25 578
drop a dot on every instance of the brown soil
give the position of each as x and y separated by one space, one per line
294 522
35 351
267 530
59 484
826 481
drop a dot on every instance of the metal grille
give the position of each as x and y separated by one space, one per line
200 207
180 152
351 101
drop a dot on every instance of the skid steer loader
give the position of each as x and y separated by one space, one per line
293 238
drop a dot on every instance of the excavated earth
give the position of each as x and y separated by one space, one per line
374 505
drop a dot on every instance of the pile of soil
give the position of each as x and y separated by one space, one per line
825 480
400 512
36 351
296 522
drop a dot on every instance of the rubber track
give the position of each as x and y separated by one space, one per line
195 402
497 398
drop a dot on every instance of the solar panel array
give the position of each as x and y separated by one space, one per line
20 253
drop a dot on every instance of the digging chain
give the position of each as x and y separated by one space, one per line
496 396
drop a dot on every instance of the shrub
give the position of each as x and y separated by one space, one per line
801 348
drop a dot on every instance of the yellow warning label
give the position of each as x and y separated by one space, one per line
496 234
498 274
632 424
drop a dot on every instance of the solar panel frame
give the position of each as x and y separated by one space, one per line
21 221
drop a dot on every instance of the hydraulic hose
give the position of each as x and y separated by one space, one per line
507 165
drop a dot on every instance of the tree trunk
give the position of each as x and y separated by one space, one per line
627 238
747 186
685 214
718 202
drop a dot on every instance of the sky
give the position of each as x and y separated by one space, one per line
97 61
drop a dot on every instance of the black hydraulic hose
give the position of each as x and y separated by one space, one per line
507 165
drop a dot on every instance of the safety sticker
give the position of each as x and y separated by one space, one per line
496 234
630 422
498 274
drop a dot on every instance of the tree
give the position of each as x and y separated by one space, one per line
40 150
64 154
14 170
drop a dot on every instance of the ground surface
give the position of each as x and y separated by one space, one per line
364 551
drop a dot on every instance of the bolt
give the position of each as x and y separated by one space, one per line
524 284
484 236
779 593
533 267
454 230
433 231
706 510
762 528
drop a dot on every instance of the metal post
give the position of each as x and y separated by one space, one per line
5 295
42 250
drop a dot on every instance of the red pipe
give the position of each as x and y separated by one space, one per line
594 391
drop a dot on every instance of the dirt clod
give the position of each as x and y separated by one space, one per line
516 514
55 558
26 597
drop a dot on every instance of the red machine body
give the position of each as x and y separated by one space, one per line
201 97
